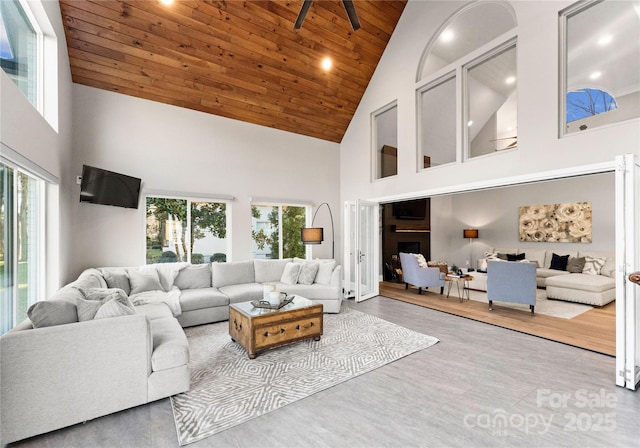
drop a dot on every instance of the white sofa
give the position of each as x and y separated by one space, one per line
56 371
585 288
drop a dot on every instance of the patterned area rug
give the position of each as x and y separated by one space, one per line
228 388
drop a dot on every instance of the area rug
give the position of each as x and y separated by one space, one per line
555 308
228 388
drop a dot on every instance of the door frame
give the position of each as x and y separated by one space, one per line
627 261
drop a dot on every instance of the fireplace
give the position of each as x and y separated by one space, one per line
411 247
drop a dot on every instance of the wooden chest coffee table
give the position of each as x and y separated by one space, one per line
258 329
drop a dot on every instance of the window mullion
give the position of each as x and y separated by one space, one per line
280 233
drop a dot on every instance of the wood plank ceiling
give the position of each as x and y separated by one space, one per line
237 59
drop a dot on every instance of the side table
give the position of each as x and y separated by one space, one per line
465 279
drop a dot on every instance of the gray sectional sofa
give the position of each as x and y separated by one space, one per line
76 359
594 288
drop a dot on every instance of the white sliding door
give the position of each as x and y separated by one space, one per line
627 261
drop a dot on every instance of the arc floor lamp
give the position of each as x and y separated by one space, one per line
315 235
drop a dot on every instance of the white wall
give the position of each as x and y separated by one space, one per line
539 148
180 150
495 214
25 131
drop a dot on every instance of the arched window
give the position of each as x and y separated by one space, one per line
470 64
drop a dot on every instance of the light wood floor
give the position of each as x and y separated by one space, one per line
443 396
593 330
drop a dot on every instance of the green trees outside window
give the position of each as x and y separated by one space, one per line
186 230
276 230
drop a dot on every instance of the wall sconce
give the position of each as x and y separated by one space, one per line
471 234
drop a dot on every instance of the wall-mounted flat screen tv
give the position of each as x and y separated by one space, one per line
104 187
416 209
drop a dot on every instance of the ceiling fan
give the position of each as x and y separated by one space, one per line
348 6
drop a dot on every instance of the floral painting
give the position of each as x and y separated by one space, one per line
559 223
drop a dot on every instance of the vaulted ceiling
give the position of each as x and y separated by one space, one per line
237 59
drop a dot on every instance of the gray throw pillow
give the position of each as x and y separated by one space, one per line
575 265
101 303
194 276
290 274
116 278
47 313
144 281
308 272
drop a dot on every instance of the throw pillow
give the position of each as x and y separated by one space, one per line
325 269
482 265
290 274
308 272
144 281
514 257
166 272
559 262
504 256
116 278
593 265
421 261
575 265
47 313
609 268
99 303
491 256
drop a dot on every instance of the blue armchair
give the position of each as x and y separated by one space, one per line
511 281
418 276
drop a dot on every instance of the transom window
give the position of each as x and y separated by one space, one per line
186 229
20 44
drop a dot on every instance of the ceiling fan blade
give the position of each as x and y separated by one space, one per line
302 14
351 12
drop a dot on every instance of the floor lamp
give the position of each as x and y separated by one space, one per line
471 234
315 235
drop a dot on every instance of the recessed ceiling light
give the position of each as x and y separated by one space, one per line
327 63
470 123
605 40
595 75
447 36
166 2
510 80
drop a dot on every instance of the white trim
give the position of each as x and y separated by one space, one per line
583 170
16 160
278 202
187 195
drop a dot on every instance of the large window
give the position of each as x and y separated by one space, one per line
183 229
600 64
385 141
275 231
20 41
492 100
437 115
21 245
466 91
